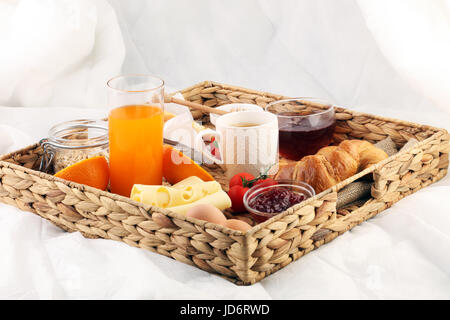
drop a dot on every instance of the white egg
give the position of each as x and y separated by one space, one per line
207 212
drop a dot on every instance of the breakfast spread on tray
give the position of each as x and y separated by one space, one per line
259 183
273 158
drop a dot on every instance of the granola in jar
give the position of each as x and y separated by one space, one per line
72 141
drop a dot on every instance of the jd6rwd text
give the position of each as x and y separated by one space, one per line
227 310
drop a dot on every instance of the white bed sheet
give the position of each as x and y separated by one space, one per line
303 48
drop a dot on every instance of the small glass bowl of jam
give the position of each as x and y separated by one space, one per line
265 201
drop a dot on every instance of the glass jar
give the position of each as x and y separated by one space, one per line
72 141
305 125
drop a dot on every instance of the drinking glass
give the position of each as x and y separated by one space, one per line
305 125
136 105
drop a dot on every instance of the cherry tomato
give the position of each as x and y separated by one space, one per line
238 179
265 182
236 194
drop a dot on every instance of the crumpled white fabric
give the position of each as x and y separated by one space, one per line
51 47
415 37
11 138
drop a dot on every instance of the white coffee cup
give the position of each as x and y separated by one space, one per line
234 107
247 142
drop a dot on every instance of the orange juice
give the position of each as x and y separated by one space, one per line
135 147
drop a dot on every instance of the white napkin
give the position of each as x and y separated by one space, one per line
180 128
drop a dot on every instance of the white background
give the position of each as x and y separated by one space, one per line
382 57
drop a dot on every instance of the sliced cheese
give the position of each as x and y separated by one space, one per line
188 182
219 199
184 192
196 191
160 196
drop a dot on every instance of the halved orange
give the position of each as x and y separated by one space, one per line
175 171
93 172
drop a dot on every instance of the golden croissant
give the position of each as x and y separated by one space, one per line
331 165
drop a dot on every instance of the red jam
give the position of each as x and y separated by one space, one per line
274 201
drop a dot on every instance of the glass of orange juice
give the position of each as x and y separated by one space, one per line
135 118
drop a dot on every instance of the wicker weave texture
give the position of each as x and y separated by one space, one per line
267 247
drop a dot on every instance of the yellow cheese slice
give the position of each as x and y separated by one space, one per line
184 192
187 182
197 187
196 191
160 196
219 199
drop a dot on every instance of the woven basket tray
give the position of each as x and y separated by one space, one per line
267 247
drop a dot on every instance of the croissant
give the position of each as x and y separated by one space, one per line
331 165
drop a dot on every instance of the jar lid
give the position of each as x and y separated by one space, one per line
78 134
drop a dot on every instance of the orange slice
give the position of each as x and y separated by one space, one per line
177 166
93 172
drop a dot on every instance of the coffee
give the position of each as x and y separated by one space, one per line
247 141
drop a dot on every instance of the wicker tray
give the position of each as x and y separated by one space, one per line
267 247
